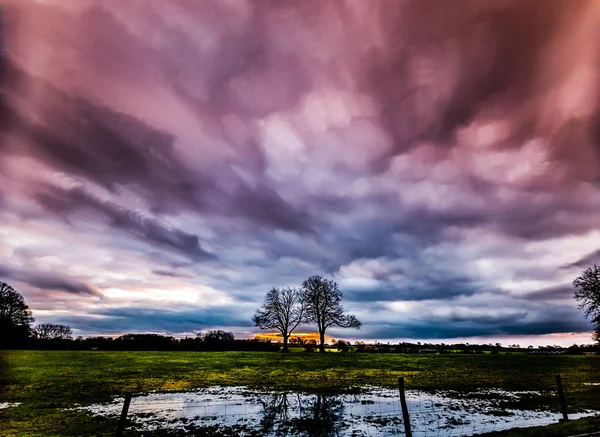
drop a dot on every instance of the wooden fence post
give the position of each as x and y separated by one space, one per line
561 397
405 417
123 419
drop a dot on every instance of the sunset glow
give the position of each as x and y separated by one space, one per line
304 336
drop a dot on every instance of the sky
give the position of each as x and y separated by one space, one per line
164 164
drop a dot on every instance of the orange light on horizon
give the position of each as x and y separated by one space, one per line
306 336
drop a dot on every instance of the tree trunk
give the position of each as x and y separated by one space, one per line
285 344
322 344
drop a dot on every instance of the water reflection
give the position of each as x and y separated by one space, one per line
276 411
373 412
316 416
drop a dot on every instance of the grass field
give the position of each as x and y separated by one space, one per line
44 382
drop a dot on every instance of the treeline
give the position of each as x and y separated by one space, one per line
210 341
225 341
466 348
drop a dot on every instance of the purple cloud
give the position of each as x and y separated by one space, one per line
419 152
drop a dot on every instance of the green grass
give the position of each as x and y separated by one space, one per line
46 380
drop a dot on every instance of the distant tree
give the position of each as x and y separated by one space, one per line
218 336
587 291
146 342
15 316
322 298
283 310
49 331
342 346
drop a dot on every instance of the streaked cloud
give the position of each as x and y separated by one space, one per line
439 159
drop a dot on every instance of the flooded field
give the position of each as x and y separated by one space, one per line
254 394
373 412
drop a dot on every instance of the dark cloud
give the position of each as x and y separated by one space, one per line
67 202
264 205
6 78
555 319
420 288
433 79
48 281
557 292
175 319
587 260
116 150
555 214
170 274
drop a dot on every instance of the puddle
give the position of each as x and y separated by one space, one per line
375 412
9 404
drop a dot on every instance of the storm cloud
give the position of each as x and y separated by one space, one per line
48 281
420 152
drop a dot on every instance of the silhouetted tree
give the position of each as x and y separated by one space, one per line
283 310
587 291
322 298
49 331
342 346
217 336
217 340
15 316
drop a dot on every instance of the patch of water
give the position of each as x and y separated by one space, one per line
374 412
9 404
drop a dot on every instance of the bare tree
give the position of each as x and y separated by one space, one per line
322 298
15 315
587 291
49 331
283 310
